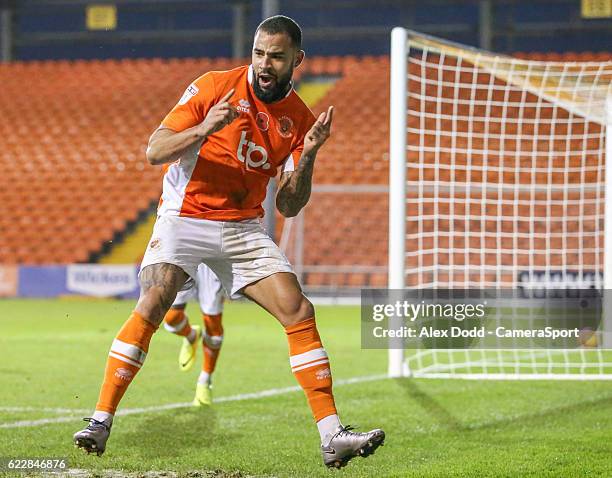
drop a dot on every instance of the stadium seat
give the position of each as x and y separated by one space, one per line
85 178
91 179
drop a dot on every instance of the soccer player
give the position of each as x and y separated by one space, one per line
209 293
231 132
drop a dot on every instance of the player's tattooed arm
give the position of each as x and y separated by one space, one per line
295 186
166 145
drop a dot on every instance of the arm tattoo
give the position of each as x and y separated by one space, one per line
295 187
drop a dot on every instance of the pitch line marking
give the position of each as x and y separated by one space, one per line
44 409
76 413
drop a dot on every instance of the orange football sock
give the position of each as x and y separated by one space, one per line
176 322
310 365
126 356
213 338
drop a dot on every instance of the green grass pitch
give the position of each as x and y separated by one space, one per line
53 354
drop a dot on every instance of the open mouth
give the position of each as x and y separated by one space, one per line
266 81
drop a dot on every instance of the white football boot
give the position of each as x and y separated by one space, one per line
346 444
93 438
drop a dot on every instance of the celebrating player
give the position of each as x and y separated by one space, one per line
231 132
209 293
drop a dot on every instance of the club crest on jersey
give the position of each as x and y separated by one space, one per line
190 92
244 106
262 120
285 126
255 156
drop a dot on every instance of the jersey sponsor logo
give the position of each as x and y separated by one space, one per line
190 92
263 121
244 106
285 126
255 156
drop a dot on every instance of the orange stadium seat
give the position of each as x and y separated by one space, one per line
85 178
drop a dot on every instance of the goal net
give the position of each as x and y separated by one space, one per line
497 182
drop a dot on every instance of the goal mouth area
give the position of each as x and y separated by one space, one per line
506 364
497 170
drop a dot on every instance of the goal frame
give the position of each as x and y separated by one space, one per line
397 366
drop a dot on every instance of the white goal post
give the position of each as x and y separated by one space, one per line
497 179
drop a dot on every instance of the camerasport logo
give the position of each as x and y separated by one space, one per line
285 126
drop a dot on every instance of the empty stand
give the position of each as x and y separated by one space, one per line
75 175
73 157
74 134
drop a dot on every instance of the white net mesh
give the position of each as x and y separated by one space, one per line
505 166
505 187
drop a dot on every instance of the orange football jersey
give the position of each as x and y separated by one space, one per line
226 178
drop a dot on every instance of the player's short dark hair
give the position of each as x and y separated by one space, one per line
283 24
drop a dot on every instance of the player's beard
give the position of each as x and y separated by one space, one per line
277 92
